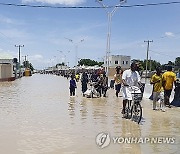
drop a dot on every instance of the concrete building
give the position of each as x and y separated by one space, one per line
118 60
61 67
7 70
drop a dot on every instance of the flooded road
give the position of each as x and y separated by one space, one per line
37 116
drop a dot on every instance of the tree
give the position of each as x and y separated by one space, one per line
177 63
140 64
100 63
154 65
151 63
27 64
31 67
170 63
60 64
89 62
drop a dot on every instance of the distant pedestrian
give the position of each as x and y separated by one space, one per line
118 80
169 77
77 77
84 82
158 90
94 77
103 85
72 86
178 74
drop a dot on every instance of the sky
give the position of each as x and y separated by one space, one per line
45 32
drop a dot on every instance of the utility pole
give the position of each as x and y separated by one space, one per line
25 60
150 68
19 46
68 64
110 15
65 57
148 42
76 51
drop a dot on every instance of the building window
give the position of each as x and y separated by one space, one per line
123 62
116 62
126 62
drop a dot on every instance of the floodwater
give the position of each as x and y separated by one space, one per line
37 116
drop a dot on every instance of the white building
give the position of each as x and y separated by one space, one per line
119 60
7 70
61 67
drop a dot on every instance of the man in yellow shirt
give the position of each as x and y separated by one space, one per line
158 90
169 78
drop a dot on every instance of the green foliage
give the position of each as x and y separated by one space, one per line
89 62
101 63
170 63
60 64
152 64
27 64
177 63
31 67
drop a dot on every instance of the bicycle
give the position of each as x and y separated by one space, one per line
93 90
133 108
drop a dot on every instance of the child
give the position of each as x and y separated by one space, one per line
118 80
72 86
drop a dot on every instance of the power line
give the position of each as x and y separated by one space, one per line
88 7
151 4
162 53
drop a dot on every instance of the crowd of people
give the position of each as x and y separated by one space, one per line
162 84
97 77
122 79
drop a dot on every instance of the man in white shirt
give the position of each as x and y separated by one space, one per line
130 77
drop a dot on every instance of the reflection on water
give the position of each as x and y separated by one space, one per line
38 116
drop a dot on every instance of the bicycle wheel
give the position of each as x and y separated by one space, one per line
136 112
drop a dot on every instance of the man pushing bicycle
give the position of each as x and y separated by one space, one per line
130 78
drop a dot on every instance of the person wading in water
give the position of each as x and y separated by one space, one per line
118 80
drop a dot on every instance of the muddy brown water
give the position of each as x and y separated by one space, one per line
37 116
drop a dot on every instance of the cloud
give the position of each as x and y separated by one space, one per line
37 57
14 33
169 34
6 20
5 55
11 21
63 2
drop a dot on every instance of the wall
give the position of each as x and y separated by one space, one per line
6 72
112 71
